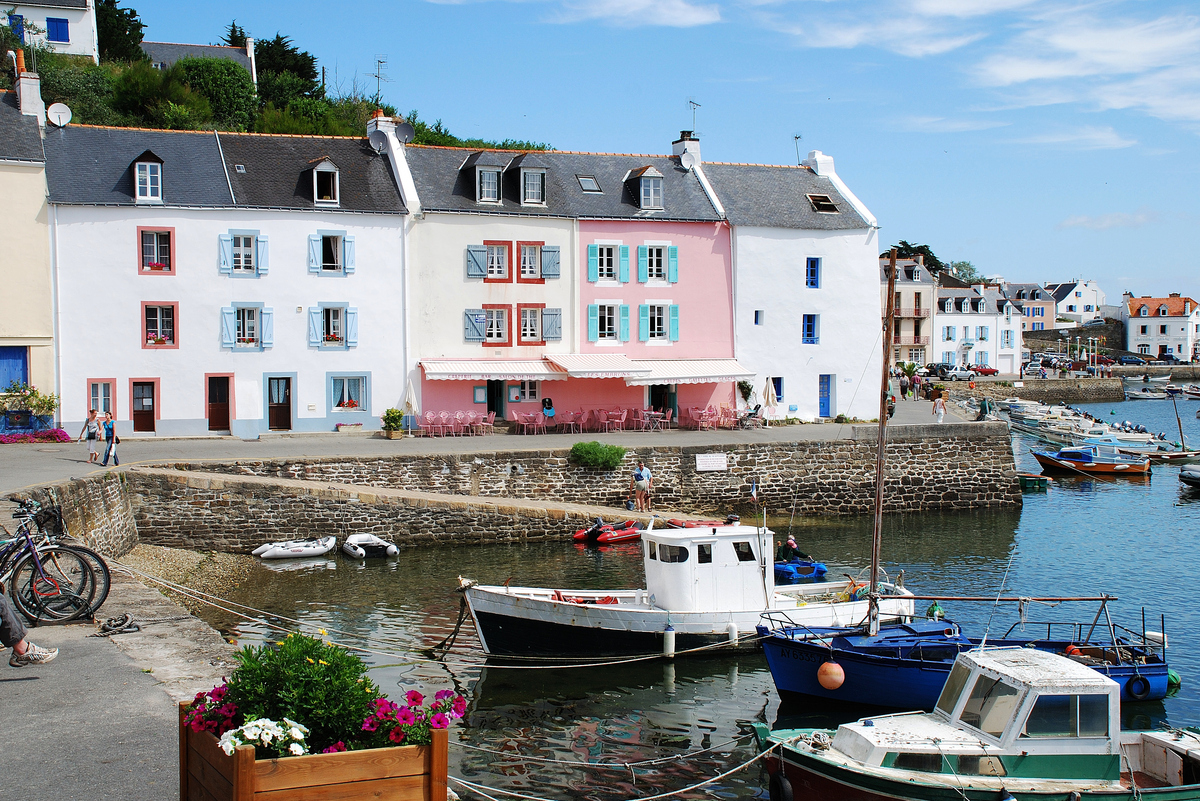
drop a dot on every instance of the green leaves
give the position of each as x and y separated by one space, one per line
597 455
227 87
119 31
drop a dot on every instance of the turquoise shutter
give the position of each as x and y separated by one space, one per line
351 327
593 263
643 263
225 254
673 264
314 253
624 273
348 254
551 324
261 253
228 327
644 323
624 323
550 254
476 261
266 324
593 322
314 327
674 323
474 325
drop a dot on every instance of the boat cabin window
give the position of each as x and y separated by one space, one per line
672 553
704 553
990 706
744 552
1068 716
974 765
651 550
930 763
953 688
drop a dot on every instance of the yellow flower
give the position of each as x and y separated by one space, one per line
322 661
309 658
279 642
322 632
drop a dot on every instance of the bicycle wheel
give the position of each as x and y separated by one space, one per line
101 574
55 586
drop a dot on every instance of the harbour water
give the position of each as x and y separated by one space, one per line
528 729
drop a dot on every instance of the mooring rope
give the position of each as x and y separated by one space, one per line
607 765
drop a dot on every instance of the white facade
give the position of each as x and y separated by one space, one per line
68 30
1082 301
978 330
1163 326
103 292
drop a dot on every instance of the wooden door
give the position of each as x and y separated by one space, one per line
218 403
143 406
496 398
279 404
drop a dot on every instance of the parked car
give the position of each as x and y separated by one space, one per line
1104 360
959 373
1097 321
1131 360
1168 358
983 369
934 369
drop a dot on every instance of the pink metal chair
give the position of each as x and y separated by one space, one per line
572 422
602 421
459 424
638 420
432 427
539 423
472 423
619 422
525 423
445 425
666 421
487 425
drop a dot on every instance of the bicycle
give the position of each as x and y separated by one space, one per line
52 583
49 522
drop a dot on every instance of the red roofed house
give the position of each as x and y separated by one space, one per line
1162 326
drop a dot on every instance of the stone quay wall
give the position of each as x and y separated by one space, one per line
1047 390
952 466
96 511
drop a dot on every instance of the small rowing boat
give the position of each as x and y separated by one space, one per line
1092 459
296 549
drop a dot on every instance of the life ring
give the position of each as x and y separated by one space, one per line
779 788
1138 688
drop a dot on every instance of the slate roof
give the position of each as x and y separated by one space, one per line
1042 294
54 3
19 137
91 165
775 197
1060 291
278 172
169 52
443 186
1174 306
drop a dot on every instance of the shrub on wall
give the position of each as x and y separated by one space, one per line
597 455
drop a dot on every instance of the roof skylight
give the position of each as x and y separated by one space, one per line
823 204
588 183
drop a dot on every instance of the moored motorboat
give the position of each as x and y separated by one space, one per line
1145 393
296 549
368 546
1093 460
609 533
1190 475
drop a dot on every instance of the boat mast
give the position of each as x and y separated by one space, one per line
1178 422
881 448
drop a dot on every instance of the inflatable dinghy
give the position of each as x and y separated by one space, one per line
293 549
363 546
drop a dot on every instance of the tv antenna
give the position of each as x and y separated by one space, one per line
796 139
693 105
380 74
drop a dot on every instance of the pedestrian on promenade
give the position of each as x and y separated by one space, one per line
904 384
91 429
110 437
939 408
640 484
12 635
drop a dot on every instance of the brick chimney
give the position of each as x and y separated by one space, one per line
687 143
29 91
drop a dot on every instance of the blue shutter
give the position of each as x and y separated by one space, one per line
643 263
593 263
672 264
351 327
16 22
348 254
593 322
314 327
476 261
225 254
551 324
57 30
644 323
314 253
674 332
624 273
261 254
228 327
266 324
474 325
624 331
550 255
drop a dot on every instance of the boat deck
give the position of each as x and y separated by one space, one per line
1144 781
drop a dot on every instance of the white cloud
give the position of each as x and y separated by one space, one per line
1086 138
966 8
669 13
1105 222
943 125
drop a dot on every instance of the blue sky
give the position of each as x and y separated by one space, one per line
1042 140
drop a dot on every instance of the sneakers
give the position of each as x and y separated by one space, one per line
34 655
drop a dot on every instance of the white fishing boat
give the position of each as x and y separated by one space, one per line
1145 393
296 549
1146 379
364 546
704 587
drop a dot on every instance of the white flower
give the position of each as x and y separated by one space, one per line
295 733
295 725
296 749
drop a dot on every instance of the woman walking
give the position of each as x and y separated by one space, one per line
91 429
939 408
110 437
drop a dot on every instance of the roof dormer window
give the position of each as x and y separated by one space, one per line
823 204
1162 311
325 183
533 187
652 192
488 185
1143 312
147 170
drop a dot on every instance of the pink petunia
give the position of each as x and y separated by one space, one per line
336 747
405 717
443 694
370 724
396 735
439 721
460 706
414 698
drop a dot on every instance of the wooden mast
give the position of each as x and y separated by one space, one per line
881 448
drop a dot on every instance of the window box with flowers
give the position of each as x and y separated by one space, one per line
301 719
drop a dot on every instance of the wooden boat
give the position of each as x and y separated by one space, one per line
296 549
1011 723
1093 460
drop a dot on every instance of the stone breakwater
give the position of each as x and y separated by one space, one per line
1047 390
95 510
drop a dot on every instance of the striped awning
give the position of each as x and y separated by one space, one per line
491 369
688 371
597 365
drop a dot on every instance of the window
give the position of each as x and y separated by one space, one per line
777 385
1143 312
528 391
1079 294
1145 329
1007 338
325 184
672 553
348 394
657 322
981 358
656 268
948 306
497 262
531 325
331 253
926 763
948 333
608 322
966 333
744 552
149 182
497 325
531 261
811 329
243 254
246 327
1039 326
1087 307
16 23
489 186
990 706
652 193
1068 716
1162 329
917 277
975 765
57 30
533 187
916 355
953 687
760 316
333 325
588 183
823 204
812 274
1040 311
704 553
328 252
981 333
156 251
1071 308
1143 349
100 396
947 357
606 262
651 550
160 325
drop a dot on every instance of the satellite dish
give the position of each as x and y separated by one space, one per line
688 160
58 114
405 133
378 141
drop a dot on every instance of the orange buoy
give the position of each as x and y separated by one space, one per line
830 675
1072 651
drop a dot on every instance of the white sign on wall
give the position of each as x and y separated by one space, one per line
709 462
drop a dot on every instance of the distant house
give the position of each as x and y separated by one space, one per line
1038 307
916 310
69 25
164 54
1078 301
977 326
1162 326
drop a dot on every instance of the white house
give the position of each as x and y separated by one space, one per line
225 282
1167 326
806 268
915 304
1079 301
69 25
977 326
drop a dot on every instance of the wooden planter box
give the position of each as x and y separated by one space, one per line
348 428
393 434
403 773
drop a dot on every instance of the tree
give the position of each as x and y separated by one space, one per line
160 97
119 31
906 250
228 87
279 55
235 35
965 271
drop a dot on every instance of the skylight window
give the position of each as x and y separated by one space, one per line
588 183
239 168
822 204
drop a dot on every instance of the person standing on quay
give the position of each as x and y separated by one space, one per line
939 408
91 429
904 386
110 437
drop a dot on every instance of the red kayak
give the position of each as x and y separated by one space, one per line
610 532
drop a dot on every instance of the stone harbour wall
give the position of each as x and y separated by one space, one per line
96 511
1048 390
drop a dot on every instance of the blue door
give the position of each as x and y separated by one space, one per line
14 366
824 396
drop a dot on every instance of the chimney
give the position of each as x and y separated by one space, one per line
382 122
250 55
1173 295
819 163
687 143
29 91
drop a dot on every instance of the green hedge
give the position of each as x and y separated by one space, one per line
597 455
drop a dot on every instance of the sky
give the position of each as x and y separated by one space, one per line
1041 140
